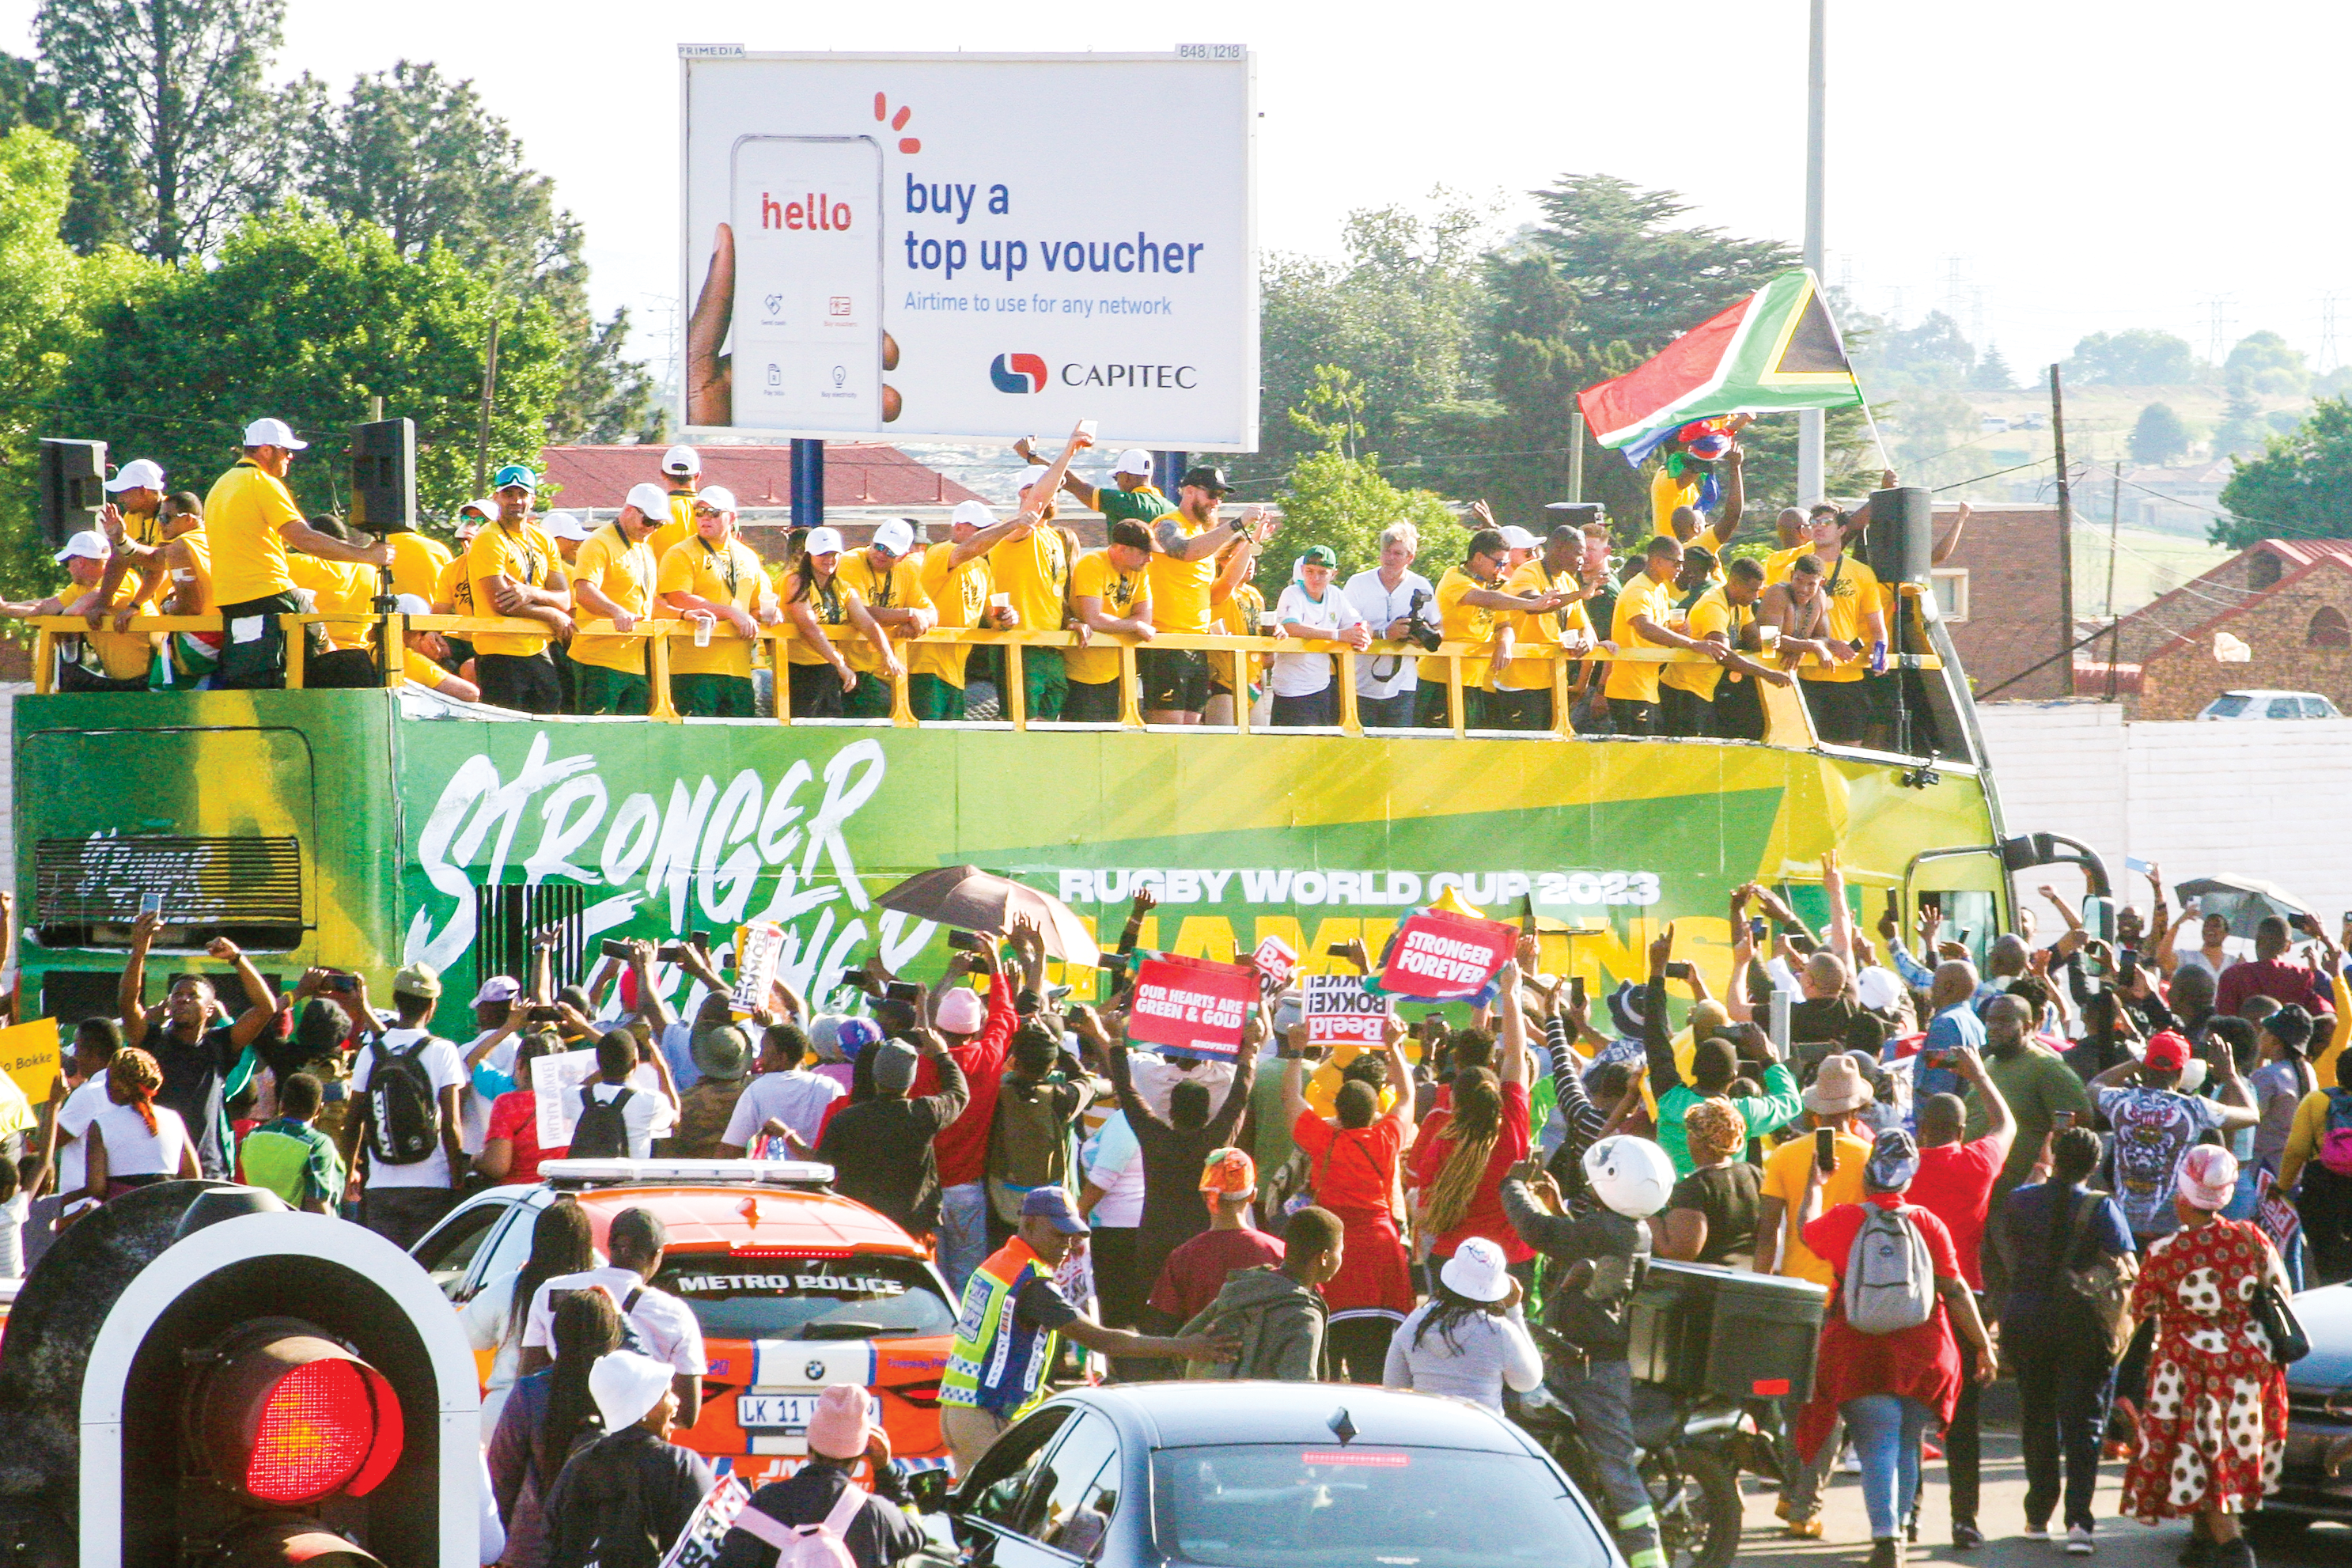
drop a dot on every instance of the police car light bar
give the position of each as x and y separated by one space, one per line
716 1173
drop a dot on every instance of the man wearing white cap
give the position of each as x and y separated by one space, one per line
1032 567
1130 494
569 533
103 660
889 576
137 488
682 468
180 567
517 574
420 657
253 519
452 592
715 576
627 1497
960 585
613 580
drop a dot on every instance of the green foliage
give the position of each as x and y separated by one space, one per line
2159 435
2242 430
2300 488
2136 358
1933 354
1992 372
1934 423
302 319
2265 361
1332 498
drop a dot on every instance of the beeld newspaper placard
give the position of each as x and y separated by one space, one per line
1341 1012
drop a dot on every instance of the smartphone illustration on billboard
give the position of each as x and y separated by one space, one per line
808 282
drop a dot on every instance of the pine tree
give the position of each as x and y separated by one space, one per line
1992 372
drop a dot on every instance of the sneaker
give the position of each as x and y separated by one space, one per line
1965 1535
1848 1463
2036 1533
1885 1552
2079 1542
1809 1528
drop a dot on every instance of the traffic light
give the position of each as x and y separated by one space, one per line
383 477
73 478
268 1388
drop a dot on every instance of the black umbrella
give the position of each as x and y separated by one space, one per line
2245 901
969 898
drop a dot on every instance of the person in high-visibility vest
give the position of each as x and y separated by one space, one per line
1013 1321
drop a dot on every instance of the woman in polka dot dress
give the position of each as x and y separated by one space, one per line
2215 1425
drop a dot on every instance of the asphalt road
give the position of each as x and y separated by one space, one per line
2123 1543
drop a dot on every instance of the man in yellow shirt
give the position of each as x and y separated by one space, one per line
420 660
711 578
612 580
103 660
889 576
1184 579
167 552
1469 598
1645 607
343 652
959 584
682 468
253 518
1031 567
1839 1095
417 561
1719 699
1110 592
515 573
1845 706
1686 523
1522 687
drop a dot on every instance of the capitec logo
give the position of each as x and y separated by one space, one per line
1018 373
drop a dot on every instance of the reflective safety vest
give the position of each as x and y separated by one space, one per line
999 1363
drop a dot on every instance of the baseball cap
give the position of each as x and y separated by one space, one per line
1518 538
2167 1051
895 534
498 988
823 541
681 461
1052 1203
138 474
1031 475
514 474
412 605
1134 460
719 498
894 1066
1208 477
272 433
974 512
89 544
562 525
417 979
487 509
1229 1172
651 499
1320 555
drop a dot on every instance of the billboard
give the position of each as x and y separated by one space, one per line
972 247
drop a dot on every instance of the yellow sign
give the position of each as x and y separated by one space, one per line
29 1055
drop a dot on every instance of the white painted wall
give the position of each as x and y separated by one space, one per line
2260 799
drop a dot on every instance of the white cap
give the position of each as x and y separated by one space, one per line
138 474
1518 538
272 433
651 499
498 988
824 542
562 525
681 461
972 512
412 605
1880 990
488 509
717 497
625 1386
89 544
1134 460
895 534
1478 1269
1035 472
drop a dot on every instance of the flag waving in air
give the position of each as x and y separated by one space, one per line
1777 349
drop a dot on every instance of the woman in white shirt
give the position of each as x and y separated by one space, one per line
135 1143
1469 1339
1312 610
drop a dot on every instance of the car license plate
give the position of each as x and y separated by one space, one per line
774 1412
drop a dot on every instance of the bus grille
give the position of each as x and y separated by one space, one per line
203 883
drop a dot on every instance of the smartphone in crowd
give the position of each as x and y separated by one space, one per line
967 942
614 947
905 991
1825 1150
1758 930
1576 989
1679 969
1338 949
341 984
151 903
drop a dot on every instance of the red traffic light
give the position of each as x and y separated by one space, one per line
285 1416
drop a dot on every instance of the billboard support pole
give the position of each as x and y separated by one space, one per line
1167 472
808 484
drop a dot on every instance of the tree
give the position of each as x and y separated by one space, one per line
2242 429
2159 435
2139 357
2300 488
170 110
1931 354
1334 498
1992 372
302 319
2272 369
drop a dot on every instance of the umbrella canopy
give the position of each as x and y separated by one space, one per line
969 898
2245 901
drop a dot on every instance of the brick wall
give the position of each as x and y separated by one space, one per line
2016 614
2179 680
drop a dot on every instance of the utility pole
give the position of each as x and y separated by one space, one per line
2114 621
2065 531
489 396
1813 476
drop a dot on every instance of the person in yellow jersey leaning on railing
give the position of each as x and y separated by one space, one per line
1844 704
342 652
824 610
104 660
1469 597
1522 687
1644 617
1187 545
176 556
253 519
613 580
707 579
517 574
961 587
889 576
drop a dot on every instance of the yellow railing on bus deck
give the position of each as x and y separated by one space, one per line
1786 720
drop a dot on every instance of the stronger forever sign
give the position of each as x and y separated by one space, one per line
1445 958
1192 1005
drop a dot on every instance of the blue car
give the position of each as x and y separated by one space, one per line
1270 1475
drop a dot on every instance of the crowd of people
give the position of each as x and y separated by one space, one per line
1808 611
2073 1140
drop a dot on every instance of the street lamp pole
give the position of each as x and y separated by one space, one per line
1811 473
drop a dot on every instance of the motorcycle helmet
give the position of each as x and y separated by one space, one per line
1632 1175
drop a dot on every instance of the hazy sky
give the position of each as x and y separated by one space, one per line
2092 166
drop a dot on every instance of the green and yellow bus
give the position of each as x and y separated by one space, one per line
362 829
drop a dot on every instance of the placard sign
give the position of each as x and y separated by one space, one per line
29 1055
761 943
1192 1006
1446 958
553 1079
707 1529
1277 960
1341 1012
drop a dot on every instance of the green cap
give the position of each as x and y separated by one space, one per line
1320 555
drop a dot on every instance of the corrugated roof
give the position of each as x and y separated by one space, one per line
2303 557
857 473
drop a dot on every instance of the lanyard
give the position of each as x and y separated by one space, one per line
883 586
530 556
733 568
829 594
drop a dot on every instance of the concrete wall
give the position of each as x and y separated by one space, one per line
2260 799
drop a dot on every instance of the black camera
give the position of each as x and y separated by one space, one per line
1418 630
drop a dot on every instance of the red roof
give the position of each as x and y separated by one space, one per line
2306 557
857 473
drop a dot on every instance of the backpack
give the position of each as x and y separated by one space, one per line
2336 1132
820 1545
602 1132
404 1110
1890 1281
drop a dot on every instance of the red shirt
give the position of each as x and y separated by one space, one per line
1196 1271
1354 1166
2282 983
1954 1184
961 1147
1484 1216
1922 1362
514 1116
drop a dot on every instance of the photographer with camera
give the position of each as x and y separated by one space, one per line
1391 597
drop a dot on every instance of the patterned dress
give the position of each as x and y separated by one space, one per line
2215 1426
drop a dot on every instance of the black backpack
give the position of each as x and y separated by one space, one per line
602 1132
404 1110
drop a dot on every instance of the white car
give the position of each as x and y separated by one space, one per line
2270 705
